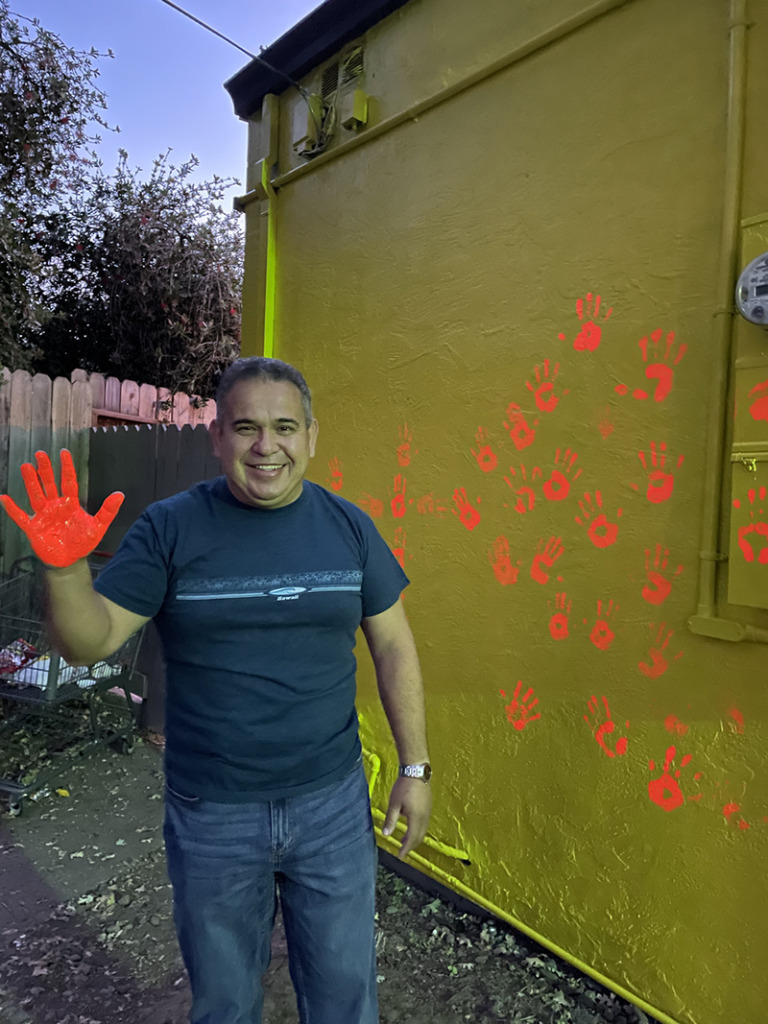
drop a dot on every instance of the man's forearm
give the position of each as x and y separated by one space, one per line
402 695
78 620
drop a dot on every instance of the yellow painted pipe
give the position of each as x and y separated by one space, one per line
270 282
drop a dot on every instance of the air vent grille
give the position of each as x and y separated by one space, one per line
330 80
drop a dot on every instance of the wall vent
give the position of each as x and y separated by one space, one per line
346 69
330 80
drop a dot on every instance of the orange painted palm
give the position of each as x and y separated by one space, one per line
60 531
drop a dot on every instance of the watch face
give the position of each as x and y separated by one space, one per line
427 774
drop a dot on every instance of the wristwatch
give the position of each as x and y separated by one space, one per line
421 771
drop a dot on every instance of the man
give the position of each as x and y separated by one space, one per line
257 582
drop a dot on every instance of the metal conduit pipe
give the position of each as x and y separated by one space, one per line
706 621
551 35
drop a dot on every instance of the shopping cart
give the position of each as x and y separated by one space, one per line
85 706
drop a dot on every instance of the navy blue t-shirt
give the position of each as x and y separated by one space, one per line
257 610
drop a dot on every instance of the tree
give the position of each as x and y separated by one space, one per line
148 280
49 110
108 272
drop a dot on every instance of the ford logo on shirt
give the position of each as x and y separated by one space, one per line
287 593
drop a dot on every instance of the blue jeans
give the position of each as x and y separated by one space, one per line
228 863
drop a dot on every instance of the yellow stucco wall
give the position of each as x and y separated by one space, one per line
475 297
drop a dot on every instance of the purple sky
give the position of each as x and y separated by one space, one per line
164 87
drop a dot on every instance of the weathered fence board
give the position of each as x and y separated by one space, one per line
112 392
14 543
98 390
40 413
148 402
129 397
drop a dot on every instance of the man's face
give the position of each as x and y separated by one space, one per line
262 441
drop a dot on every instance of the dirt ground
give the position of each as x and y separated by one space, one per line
86 935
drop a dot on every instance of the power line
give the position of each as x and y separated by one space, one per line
237 46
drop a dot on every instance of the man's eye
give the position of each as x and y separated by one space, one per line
286 428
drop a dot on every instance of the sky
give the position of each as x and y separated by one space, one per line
165 85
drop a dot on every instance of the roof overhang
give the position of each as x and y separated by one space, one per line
315 38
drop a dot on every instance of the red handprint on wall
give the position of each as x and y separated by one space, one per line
468 516
729 810
521 433
673 724
665 790
661 366
738 720
337 476
590 333
558 624
398 546
657 584
404 448
503 569
397 504
428 505
657 663
519 708
545 557
759 408
544 389
373 506
758 526
600 531
602 636
603 727
661 481
606 424
558 487
485 455
526 496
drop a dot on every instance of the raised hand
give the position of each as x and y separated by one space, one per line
60 531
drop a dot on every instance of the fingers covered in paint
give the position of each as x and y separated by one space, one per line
60 531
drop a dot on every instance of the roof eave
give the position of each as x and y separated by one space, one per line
315 38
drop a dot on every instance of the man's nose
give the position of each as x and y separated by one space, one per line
264 442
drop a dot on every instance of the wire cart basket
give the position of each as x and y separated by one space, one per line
37 682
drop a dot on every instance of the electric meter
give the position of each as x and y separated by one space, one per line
752 291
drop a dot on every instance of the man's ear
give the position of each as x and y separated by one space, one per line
313 430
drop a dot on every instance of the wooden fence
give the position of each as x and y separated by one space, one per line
147 463
37 413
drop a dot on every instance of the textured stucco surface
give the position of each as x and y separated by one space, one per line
442 282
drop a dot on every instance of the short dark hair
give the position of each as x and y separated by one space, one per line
262 368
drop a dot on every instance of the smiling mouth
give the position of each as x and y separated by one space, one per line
268 467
